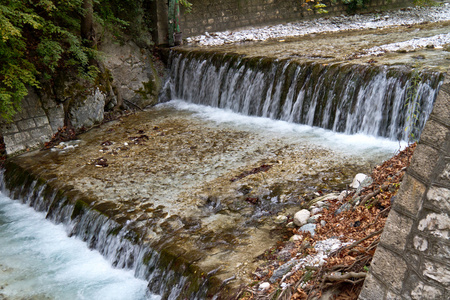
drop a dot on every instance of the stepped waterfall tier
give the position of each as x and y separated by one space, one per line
386 101
189 202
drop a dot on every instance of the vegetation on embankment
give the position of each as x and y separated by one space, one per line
39 39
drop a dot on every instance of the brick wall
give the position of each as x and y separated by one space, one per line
413 258
220 15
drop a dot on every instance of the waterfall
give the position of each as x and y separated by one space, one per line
386 101
120 243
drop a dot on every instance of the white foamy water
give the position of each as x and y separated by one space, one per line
356 144
39 261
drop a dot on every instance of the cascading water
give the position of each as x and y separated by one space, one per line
116 242
39 261
391 102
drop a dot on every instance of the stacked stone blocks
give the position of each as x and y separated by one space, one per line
221 15
413 258
34 125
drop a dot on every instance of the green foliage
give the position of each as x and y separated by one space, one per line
425 3
41 37
125 17
35 39
187 5
352 5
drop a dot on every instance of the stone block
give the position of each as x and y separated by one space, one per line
411 194
9 129
437 272
391 295
41 135
26 124
22 137
56 117
11 145
423 291
442 105
443 170
439 249
41 121
437 225
372 289
439 197
434 133
424 160
390 267
396 230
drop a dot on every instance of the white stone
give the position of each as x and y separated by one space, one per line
342 195
296 238
264 286
301 217
357 180
320 203
290 225
280 219
323 223
316 210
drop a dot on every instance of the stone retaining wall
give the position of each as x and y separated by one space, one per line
34 125
412 260
223 15
129 77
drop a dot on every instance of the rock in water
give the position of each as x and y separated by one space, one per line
301 217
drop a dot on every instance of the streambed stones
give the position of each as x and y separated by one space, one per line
301 217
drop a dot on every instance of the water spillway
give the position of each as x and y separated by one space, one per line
386 101
178 203
113 238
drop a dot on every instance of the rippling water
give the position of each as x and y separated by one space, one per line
39 261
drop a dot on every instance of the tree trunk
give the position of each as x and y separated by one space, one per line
87 23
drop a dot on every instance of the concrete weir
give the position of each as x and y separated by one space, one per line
189 201
187 204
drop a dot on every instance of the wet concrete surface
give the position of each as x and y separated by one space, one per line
351 46
187 183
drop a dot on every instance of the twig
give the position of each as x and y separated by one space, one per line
363 239
345 276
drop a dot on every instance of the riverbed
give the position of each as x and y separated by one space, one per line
187 176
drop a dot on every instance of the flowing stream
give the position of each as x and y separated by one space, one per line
172 177
39 261
386 101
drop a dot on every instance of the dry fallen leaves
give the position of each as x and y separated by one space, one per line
363 225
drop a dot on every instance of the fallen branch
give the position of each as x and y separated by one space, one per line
345 277
364 239
374 193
